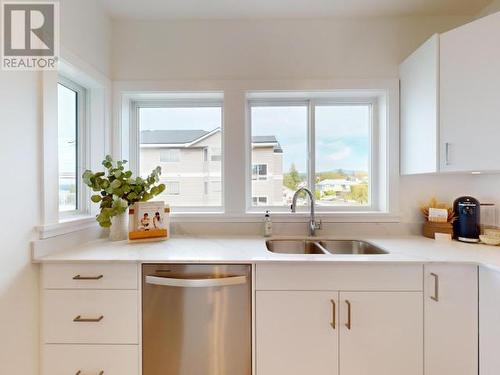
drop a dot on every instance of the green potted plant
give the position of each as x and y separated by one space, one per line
116 190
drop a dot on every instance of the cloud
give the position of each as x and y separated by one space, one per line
341 154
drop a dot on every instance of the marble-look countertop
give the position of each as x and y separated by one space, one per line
248 249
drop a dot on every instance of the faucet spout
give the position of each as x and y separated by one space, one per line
313 224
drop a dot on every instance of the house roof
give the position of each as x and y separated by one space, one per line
171 136
186 137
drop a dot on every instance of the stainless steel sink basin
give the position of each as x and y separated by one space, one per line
309 246
294 247
350 247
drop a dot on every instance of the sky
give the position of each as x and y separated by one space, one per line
342 132
66 130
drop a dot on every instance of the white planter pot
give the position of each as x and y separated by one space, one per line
119 227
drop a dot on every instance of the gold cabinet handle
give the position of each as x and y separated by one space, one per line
349 322
334 315
435 297
80 277
79 319
79 372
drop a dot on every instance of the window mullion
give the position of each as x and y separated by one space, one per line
311 173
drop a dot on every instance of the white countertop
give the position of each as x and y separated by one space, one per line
245 249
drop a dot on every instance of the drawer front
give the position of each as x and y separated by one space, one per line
348 277
90 316
90 359
90 276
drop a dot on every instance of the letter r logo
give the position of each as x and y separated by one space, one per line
28 29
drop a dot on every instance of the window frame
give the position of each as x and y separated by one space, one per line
134 139
311 102
82 147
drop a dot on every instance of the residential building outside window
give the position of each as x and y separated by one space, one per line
324 145
71 112
259 201
170 155
172 187
259 172
186 137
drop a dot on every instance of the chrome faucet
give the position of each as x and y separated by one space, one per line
313 224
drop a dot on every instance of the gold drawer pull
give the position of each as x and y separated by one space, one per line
334 317
80 277
349 323
79 319
79 372
435 297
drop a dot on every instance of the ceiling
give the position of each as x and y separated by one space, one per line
237 9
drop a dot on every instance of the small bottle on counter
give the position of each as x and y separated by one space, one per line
268 225
167 219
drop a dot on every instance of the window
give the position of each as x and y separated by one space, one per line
343 148
259 201
172 155
70 124
259 172
216 186
279 152
183 133
172 187
216 154
322 144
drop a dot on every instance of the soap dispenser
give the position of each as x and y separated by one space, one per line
268 225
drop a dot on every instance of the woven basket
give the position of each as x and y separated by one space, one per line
430 229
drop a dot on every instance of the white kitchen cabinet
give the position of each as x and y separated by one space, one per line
489 321
90 359
381 333
469 96
419 109
294 333
451 319
450 118
305 331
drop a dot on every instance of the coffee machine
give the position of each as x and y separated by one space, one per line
466 225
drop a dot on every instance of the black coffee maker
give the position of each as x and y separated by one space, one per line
466 226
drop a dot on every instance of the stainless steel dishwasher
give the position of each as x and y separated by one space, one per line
196 319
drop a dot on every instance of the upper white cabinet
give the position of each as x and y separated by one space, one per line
451 319
419 109
450 90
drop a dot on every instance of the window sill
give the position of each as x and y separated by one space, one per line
67 225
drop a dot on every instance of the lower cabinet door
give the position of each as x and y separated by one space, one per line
297 333
489 321
451 319
90 359
381 333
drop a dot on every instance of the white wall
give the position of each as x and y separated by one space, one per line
287 50
268 49
87 32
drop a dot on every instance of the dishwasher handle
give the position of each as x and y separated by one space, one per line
196 283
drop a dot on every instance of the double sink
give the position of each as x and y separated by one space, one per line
312 246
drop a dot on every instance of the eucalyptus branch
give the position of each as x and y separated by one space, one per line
116 189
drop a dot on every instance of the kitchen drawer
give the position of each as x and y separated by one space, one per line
90 276
348 277
90 359
118 309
